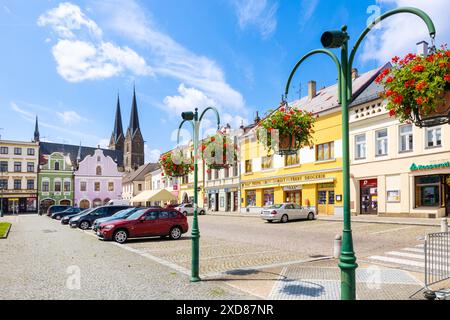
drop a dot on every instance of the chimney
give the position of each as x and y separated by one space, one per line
422 48
312 89
355 73
257 118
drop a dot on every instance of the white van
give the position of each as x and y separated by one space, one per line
118 203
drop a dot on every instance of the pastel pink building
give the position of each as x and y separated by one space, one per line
97 180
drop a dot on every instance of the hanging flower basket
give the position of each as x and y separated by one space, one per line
219 151
417 88
293 128
174 164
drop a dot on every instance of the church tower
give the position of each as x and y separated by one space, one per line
117 137
134 142
36 131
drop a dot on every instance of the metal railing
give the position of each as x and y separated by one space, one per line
437 258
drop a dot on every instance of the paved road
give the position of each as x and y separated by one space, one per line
40 257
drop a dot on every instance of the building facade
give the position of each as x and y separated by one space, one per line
55 181
97 180
18 176
133 182
396 169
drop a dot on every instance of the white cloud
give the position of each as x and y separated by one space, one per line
103 143
399 34
259 14
7 10
81 53
151 155
170 59
70 117
188 99
307 9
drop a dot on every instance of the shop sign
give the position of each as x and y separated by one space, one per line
442 165
292 188
369 183
294 179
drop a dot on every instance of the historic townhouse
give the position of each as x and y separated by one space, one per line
396 169
313 177
18 176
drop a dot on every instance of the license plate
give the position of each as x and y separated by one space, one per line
99 233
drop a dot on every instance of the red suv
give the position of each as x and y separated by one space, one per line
145 223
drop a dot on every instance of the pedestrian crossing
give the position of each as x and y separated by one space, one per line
412 258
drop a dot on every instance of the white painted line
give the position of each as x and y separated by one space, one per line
420 245
275 284
398 261
391 230
407 255
414 250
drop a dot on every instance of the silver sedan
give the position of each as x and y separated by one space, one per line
288 211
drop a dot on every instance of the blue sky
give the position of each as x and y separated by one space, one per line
66 61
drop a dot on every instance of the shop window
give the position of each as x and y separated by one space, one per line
325 151
381 142
269 197
292 159
266 162
322 197
406 138
248 166
360 146
428 191
433 137
251 198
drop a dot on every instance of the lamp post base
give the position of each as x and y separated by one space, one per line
195 279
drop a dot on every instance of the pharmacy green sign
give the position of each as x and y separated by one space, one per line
415 167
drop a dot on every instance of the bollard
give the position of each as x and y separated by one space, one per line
444 225
337 246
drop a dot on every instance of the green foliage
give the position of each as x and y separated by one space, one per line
219 142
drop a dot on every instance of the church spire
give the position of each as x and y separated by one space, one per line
134 118
36 131
118 129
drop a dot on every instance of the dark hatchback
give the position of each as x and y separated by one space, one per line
66 219
71 211
56 208
86 220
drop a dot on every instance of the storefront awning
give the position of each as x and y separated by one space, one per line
153 195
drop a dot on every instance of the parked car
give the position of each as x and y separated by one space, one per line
172 206
59 215
66 219
122 214
188 209
56 208
145 223
85 221
118 203
288 211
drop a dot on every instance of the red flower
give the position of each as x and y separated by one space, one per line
389 80
447 53
410 83
398 99
282 109
395 59
391 113
389 93
447 77
422 84
418 68
213 139
286 118
419 101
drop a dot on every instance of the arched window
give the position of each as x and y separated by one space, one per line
57 166
99 171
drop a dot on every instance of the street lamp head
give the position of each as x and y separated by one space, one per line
333 39
187 115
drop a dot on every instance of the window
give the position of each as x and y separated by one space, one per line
428 191
251 198
291 160
3 166
110 186
56 166
3 150
325 151
3 184
45 186
98 171
185 179
209 172
17 184
18 151
30 184
164 215
30 166
269 196
97 186
30 152
66 186
57 186
151 216
248 166
406 138
266 162
17 167
235 169
360 146
140 187
433 137
216 174
227 172
83 186
381 142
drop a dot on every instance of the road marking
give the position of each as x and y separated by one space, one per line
414 250
406 255
399 261
391 230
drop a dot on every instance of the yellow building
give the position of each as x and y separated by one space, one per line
313 177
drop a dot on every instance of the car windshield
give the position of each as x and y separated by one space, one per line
275 206
137 214
123 213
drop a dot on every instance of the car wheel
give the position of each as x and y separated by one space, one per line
311 216
202 213
175 233
120 236
58 217
284 218
269 221
84 225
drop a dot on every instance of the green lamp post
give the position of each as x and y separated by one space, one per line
195 121
339 39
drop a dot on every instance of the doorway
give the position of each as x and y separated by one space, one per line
369 196
228 203
216 202
325 201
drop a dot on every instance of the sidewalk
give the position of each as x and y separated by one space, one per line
357 219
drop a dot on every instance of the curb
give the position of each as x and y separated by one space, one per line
412 223
7 232
234 215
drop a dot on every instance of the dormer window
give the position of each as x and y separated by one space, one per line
99 171
56 166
